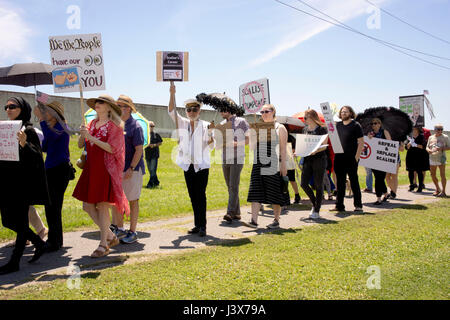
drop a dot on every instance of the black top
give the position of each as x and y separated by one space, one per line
151 153
318 131
349 135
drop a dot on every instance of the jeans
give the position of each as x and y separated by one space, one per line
343 166
369 179
315 167
232 175
152 165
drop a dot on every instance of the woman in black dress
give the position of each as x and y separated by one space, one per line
417 159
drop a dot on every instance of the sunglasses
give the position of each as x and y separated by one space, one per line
374 123
439 129
152 126
266 111
11 107
192 109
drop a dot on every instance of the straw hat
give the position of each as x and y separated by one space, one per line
192 102
106 98
126 100
58 107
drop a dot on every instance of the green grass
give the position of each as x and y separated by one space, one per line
171 199
410 246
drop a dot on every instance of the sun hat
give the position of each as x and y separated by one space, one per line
126 100
105 98
192 102
58 107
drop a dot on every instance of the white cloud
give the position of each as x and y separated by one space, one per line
305 27
14 36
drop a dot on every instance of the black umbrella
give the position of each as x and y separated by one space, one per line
221 103
26 74
394 120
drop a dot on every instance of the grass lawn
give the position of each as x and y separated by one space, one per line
410 247
171 199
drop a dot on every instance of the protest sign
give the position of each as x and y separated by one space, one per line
65 78
380 154
331 125
172 66
308 143
254 95
414 107
83 51
9 145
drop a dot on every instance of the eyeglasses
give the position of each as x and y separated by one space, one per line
439 129
266 111
11 107
192 109
374 123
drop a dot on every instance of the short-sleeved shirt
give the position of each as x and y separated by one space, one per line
349 135
134 137
153 153
440 142
240 127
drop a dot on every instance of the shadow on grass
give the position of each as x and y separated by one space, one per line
413 207
318 221
347 214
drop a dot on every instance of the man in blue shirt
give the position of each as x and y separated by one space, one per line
133 172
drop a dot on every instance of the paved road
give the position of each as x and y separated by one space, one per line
170 236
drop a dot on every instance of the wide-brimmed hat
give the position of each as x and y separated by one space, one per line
58 107
192 102
126 100
106 98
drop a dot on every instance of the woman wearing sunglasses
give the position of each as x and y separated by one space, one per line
268 171
380 176
23 184
437 144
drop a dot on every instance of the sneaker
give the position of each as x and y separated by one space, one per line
274 225
251 224
120 234
297 199
237 217
202 232
112 227
336 209
393 195
314 215
367 190
377 203
227 217
194 230
358 209
131 237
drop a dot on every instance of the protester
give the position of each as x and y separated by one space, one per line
233 158
133 171
437 145
392 178
315 164
269 170
58 168
195 143
23 184
100 184
352 140
417 160
152 156
380 185
369 180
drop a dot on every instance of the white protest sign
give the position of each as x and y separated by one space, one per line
9 145
254 95
308 143
331 125
380 154
83 51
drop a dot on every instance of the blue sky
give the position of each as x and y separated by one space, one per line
232 42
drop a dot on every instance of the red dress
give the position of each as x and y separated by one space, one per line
94 185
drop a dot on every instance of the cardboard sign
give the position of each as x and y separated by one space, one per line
65 78
83 51
380 154
172 66
414 107
308 143
9 145
254 95
331 125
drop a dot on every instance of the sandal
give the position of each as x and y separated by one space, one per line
436 193
99 253
113 242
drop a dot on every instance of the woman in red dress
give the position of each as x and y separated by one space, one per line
100 184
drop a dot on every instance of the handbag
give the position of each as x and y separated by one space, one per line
82 161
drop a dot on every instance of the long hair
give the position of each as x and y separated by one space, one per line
272 107
311 113
350 109
113 116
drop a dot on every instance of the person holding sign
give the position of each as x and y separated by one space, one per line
380 176
58 168
352 139
314 165
100 184
269 171
437 144
23 184
195 141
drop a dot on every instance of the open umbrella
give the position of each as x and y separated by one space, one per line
394 120
26 74
144 123
221 103
294 125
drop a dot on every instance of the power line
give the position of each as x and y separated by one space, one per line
372 38
409 24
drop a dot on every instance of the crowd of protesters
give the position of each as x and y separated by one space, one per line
112 175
